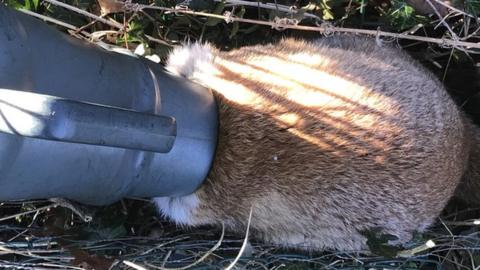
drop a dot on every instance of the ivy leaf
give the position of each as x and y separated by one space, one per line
326 10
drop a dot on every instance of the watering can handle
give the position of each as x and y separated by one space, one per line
54 118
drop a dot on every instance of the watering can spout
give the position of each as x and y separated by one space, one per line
88 124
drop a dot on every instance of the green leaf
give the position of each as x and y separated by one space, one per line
35 4
403 16
326 10
26 4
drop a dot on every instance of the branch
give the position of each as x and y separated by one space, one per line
85 13
323 28
282 8
55 21
454 9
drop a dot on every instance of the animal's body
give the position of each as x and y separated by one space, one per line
324 140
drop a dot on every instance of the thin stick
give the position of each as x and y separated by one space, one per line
85 13
159 41
89 24
164 244
4 250
244 244
454 9
55 21
36 266
74 207
267 6
134 265
474 222
442 19
28 212
204 256
31 245
414 251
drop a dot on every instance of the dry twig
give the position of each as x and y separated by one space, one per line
87 14
283 8
324 28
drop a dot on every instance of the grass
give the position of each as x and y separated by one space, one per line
130 235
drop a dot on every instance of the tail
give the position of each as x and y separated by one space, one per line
469 189
191 60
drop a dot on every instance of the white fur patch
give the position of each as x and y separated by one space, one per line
191 59
179 209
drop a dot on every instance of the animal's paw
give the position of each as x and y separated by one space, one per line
179 209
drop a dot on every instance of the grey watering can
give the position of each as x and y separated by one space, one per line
87 124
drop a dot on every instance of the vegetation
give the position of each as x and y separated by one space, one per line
43 234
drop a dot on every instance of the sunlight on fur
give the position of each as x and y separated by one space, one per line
314 90
308 86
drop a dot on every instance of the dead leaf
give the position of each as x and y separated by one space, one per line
89 261
111 6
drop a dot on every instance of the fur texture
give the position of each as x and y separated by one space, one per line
324 140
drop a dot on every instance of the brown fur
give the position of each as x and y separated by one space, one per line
327 139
